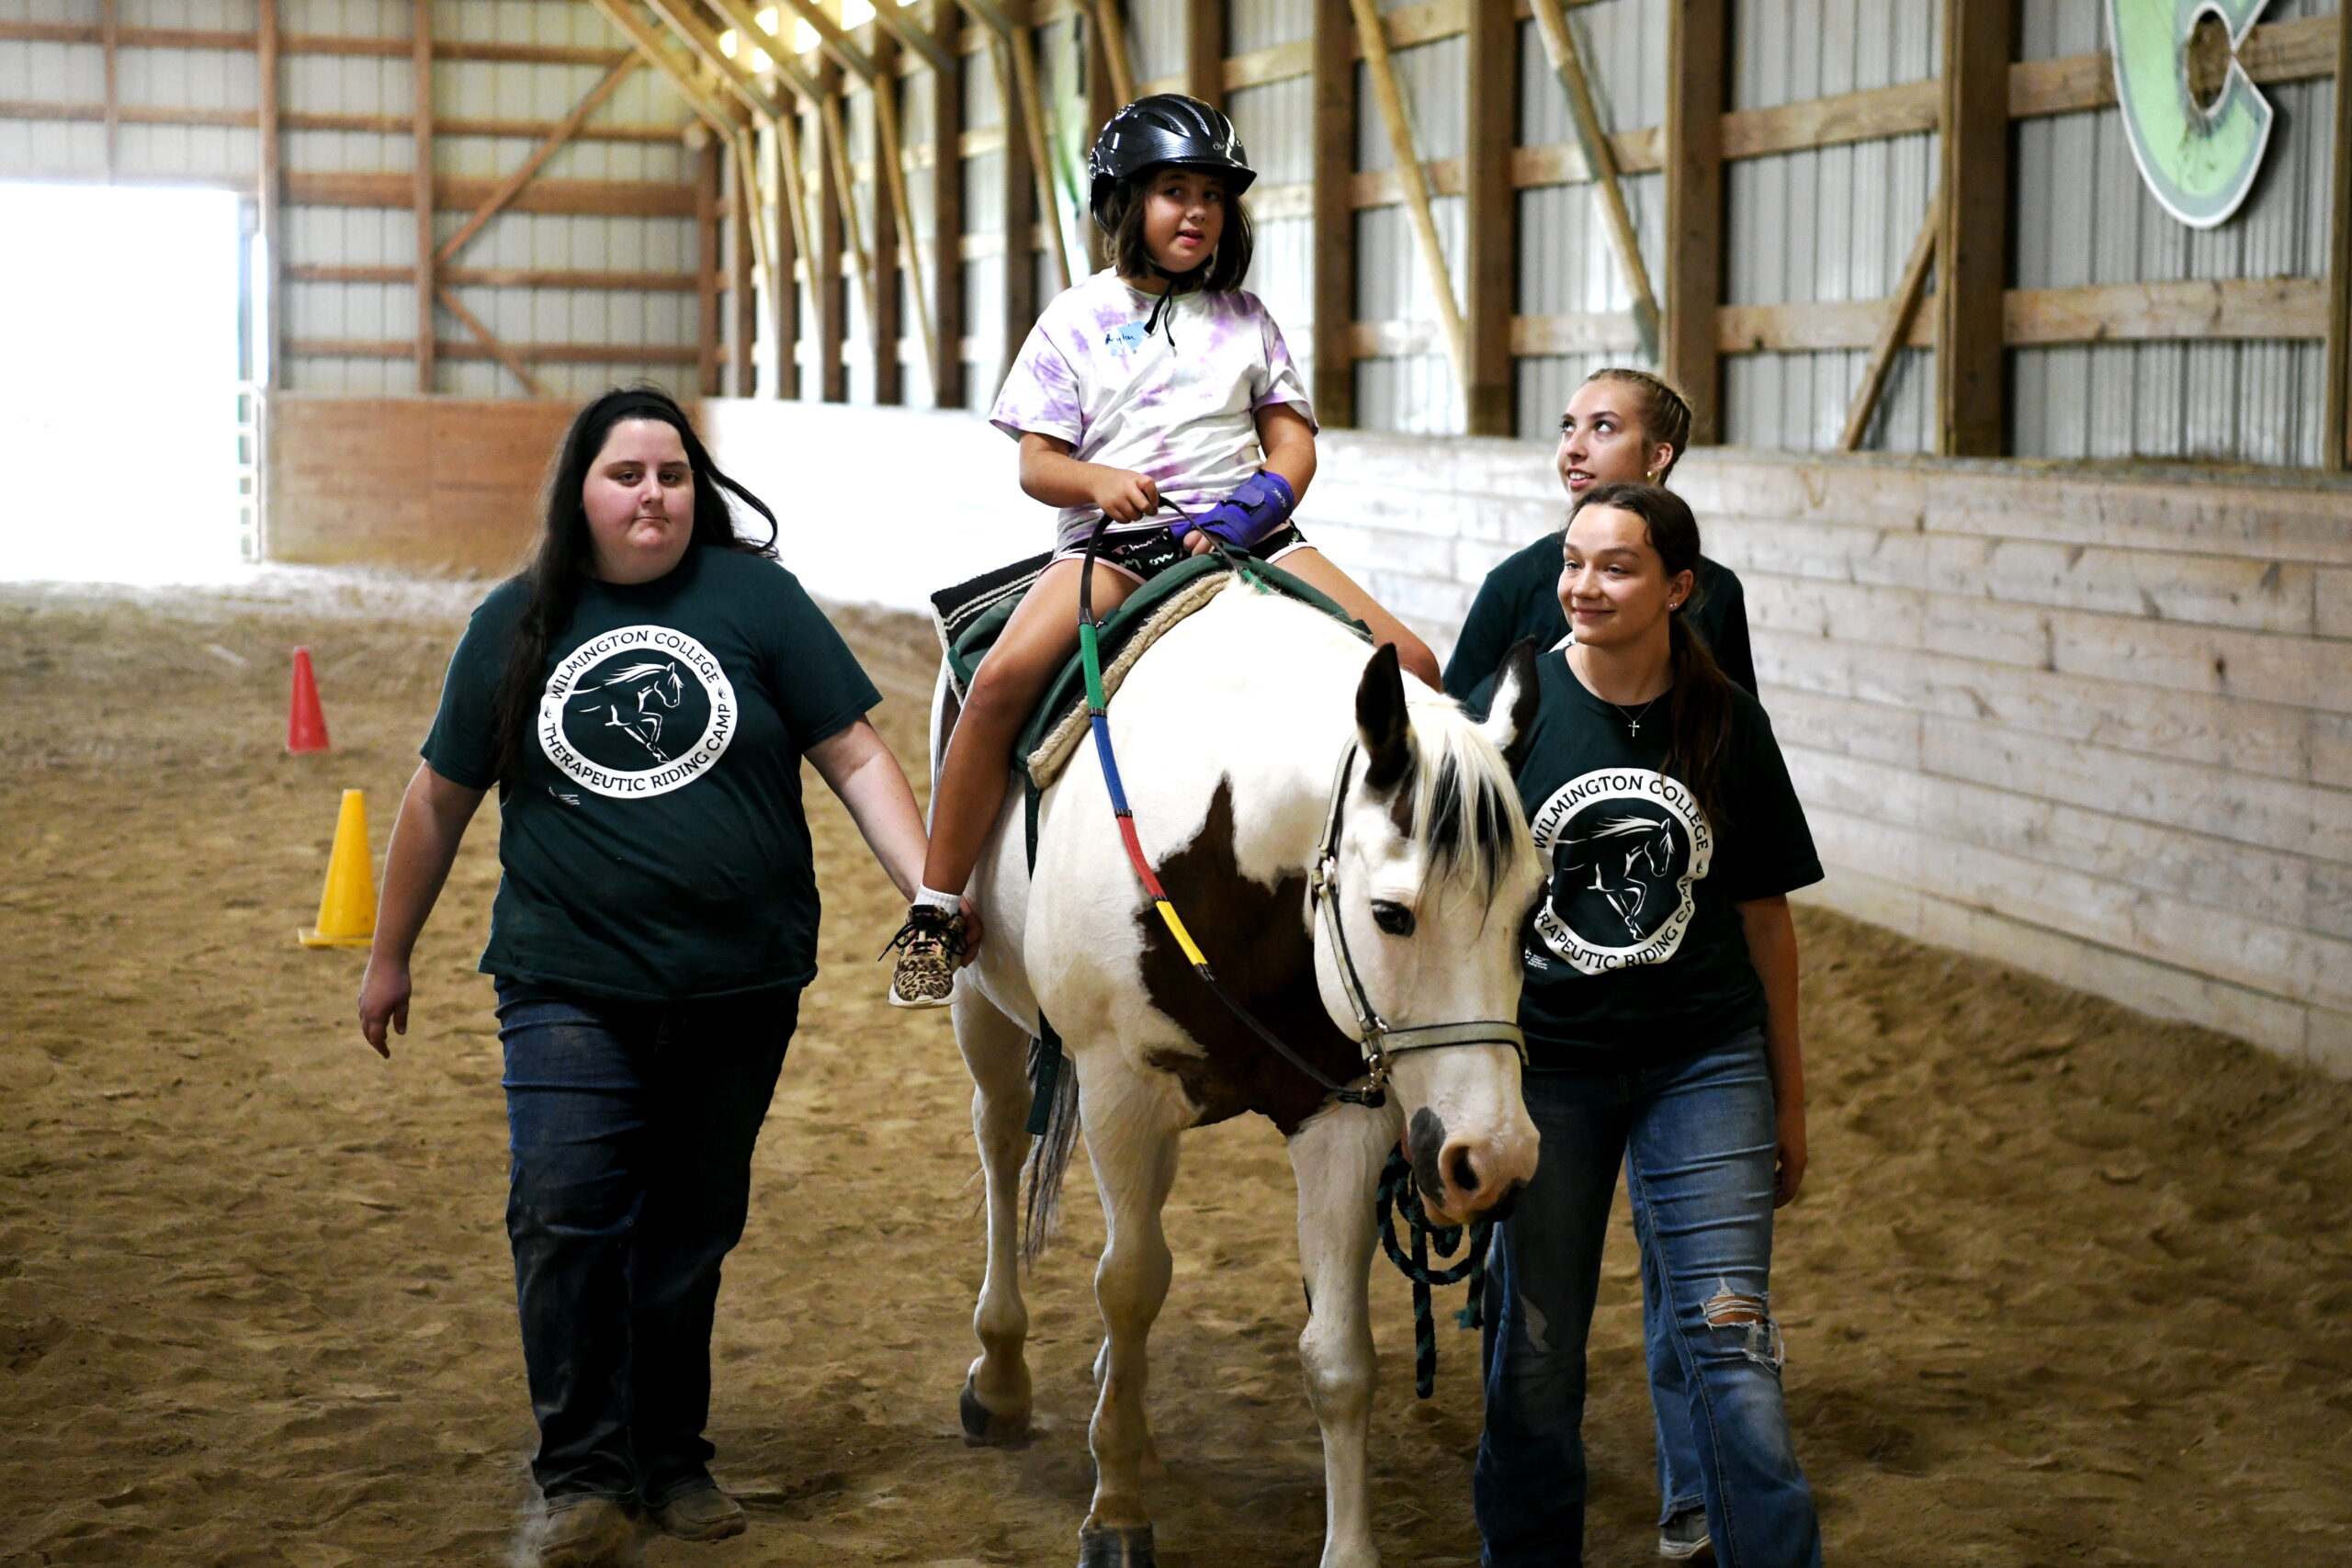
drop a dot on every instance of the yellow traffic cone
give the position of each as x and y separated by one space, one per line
347 908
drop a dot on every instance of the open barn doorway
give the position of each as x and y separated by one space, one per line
125 429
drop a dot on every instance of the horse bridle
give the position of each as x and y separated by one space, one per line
1380 1041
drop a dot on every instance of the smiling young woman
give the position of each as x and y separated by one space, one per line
1660 1008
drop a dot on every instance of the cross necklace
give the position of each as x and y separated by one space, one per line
1633 720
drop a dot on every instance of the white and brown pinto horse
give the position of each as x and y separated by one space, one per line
1229 733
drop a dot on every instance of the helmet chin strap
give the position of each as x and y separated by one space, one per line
1158 306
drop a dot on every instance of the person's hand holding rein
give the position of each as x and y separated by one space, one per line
1123 496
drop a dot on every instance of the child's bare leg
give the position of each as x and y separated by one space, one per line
1312 567
973 775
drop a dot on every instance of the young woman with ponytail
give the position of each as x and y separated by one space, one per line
1660 1010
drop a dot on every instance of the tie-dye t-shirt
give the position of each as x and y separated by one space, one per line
1183 413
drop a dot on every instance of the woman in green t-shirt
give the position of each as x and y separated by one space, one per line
1661 1022
641 696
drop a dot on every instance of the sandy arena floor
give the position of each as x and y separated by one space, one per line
2066 1286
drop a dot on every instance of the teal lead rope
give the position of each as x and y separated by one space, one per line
1400 1198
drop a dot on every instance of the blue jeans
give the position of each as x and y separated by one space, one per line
631 1128
1696 1139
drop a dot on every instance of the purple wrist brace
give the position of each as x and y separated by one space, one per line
1261 505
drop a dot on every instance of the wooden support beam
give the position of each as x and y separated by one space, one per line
829 196
786 263
1022 44
685 18
1111 29
421 132
271 159
831 37
1205 51
893 244
1333 280
947 324
753 204
861 267
651 46
751 35
1490 210
1903 309
2336 439
1972 258
1391 100
707 262
890 152
490 341
513 182
1697 81
110 43
940 51
1019 199
1103 72
744 252
1592 140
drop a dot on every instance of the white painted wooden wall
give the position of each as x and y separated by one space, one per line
2095 725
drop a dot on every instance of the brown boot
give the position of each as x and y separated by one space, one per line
586 1531
705 1513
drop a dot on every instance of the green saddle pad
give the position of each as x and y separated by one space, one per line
965 640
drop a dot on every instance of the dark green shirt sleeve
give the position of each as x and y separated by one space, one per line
1768 847
462 744
820 689
1722 619
1486 637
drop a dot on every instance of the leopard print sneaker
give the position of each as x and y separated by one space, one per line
930 947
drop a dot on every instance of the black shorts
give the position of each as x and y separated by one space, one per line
1144 553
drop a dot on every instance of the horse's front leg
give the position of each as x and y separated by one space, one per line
995 1403
1133 1119
1337 1156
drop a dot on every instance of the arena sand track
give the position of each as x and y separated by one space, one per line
2066 1286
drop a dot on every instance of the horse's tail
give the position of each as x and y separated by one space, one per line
1049 1155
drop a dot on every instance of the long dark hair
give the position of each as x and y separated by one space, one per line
564 560
1699 742
1123 219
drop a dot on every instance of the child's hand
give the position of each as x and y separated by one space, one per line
1198 543
1124 496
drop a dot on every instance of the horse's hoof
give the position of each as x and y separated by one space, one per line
984 1428
1115 1547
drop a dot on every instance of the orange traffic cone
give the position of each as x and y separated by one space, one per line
306 725
347 908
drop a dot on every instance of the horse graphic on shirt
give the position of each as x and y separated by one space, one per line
1631 860
633 699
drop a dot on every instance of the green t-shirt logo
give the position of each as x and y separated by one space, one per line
1625 845
2197 124
636 712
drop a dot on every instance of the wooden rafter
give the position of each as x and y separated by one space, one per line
829 113
531 165
623 15
752 204
890 152
2336 440
270 159
912 37
420 63
490 341
1391 99
686 21
1113 30
1592 138
1015 54
1903 309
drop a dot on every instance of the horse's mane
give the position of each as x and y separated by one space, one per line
1465 803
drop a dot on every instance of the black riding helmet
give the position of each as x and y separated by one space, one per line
1166 127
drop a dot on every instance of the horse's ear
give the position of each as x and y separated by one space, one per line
1511 714
1380 720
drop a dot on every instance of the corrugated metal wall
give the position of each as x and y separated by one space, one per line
2084 216
350 315
1276 123
1830 223
1412 393
1567 262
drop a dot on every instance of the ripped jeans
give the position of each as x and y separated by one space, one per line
1696 1136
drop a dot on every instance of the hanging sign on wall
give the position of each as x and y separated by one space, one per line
2197 123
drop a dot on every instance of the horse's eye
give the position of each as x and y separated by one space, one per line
1394 918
